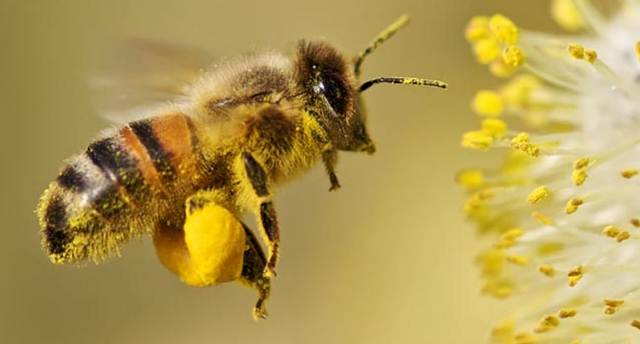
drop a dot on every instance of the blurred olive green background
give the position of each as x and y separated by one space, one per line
387 259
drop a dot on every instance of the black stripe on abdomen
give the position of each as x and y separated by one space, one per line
72 179
55 218
159 156
119 169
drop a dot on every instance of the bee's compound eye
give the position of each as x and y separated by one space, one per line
336 93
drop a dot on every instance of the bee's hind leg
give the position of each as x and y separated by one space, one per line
252 273
268 221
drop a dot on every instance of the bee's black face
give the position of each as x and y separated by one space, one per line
328 80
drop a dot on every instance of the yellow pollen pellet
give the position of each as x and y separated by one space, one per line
567 15
487 103
517 260
611 231
635 323
623 236
547 270
635 222
579 176
504 29
477 140
576 51
513 56
573 205
542 218
567 313
575 275
477 29
538 194
629 173
581 163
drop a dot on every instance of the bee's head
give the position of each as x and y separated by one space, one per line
330 83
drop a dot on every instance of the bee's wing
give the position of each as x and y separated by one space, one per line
144 74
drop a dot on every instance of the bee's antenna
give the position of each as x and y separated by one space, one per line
381 38
403 81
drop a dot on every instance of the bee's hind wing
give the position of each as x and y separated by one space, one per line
143 75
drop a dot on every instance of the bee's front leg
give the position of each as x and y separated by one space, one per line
330 159
266 212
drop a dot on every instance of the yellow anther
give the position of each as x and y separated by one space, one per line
487 103
637 50
629 173
573 205
504 330
504 29
477 29
579 176
635 222
508 238
518 260
567 313
520 138
613 303
492 262
590 55
611 231
611 306
512 234
538 194
521 143
524 338
576 50
495 127
547 270
471 179
575 275
542 218
581 163
635 323
518 91
477 140
486 50
567 15
513 56
500 69
623 236
547 323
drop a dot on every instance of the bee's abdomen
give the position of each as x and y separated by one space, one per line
118 188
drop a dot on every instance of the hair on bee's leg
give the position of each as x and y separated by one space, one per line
252 273
267 214
330 159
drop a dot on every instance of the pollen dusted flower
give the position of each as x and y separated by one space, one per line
563 208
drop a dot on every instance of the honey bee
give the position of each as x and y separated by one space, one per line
188 172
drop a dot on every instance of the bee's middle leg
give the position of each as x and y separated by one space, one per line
268 221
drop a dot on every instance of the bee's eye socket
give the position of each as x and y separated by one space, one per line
335 91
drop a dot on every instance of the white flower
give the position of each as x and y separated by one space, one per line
564 207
